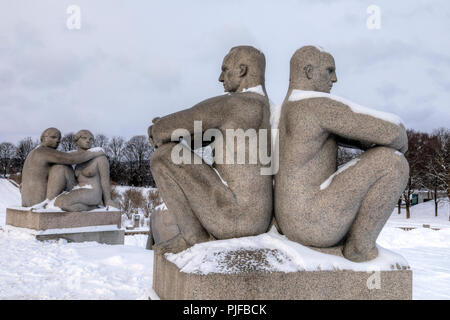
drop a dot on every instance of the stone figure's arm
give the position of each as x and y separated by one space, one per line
210 112
58 157
103 168
339 119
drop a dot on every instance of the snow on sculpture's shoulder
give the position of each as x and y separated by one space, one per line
280 255
258 89
297 95
96 149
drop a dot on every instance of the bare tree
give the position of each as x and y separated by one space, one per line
7 152
24 147
68 142
115 151
415 157
437 165
100 140
137 153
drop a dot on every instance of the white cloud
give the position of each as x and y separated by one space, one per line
132 61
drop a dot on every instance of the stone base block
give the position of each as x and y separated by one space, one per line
97 225
170 283
43 220
101 234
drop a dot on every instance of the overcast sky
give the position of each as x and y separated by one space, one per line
134 60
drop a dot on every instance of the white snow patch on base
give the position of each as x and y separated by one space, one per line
110 227
48 206
205 258
301 94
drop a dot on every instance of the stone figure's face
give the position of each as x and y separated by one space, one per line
232 74
324 75
52 139
85 141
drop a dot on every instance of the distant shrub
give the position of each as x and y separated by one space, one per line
132 201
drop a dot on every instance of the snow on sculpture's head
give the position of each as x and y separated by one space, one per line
51 138
312 69
242 68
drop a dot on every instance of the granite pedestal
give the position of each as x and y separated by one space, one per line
171 283
103 226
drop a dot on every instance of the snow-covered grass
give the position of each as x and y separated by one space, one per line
30 269
423 213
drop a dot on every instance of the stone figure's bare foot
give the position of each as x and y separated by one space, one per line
174 245
353 253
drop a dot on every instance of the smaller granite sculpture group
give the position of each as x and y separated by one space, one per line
60 191
48 174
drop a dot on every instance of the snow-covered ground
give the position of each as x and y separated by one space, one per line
30 269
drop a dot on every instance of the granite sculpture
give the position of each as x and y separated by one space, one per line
316 204
226 199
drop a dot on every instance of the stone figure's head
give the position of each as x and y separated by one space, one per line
84 139
312 69
243 67
51 138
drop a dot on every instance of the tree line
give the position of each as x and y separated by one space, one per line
129 159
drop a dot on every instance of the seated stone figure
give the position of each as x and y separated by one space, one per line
93 180
48 172
314 204
229 199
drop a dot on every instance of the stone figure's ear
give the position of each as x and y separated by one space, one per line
155 120
243 70
308 71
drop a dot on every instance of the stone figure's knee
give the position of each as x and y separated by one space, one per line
401 164
392 160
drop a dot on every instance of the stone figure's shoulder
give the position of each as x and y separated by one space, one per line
249 100
314 105
101 161
36 152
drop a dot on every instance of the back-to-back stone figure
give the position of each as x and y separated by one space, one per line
236 200
48 172
93 187
314 204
